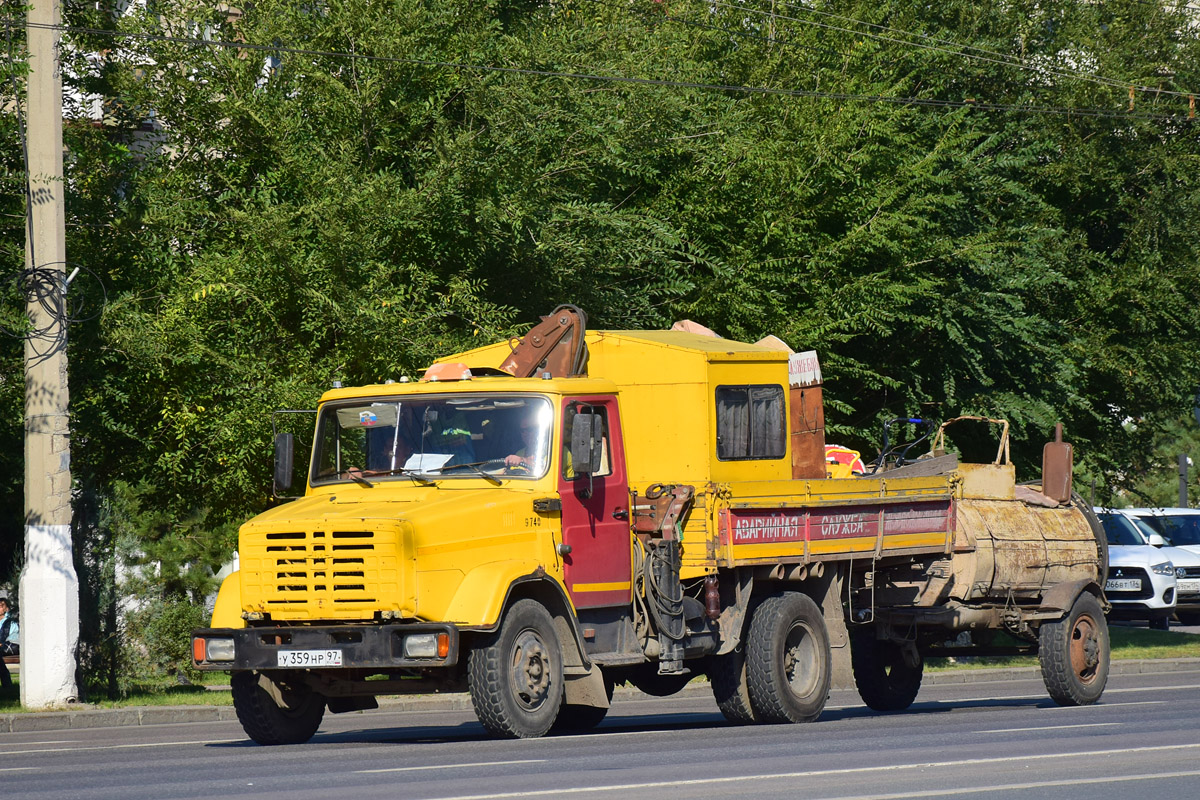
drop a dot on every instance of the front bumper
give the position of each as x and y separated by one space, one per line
372 647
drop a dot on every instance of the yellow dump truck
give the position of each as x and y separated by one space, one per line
535 522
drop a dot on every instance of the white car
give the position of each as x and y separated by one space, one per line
1141 579
1179 528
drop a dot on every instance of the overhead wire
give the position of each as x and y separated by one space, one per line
1014 60
618 79
42 284
957 50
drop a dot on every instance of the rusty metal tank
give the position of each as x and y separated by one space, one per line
1013 544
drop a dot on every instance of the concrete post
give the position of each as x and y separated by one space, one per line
49 591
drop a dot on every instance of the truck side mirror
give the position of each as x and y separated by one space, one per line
587 443
284 445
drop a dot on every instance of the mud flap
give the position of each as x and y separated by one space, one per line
585 689
842 676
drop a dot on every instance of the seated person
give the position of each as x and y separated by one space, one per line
531 456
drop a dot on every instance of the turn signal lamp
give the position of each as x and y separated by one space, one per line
453 371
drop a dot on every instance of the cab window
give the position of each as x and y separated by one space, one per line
751 422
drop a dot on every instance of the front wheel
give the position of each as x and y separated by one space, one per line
516 675
788 662
885 681
276 711
574 718
1074 653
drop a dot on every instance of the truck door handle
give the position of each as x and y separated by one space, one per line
621 513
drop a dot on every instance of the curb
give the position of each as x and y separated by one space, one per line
173 715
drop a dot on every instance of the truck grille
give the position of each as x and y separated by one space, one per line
321 574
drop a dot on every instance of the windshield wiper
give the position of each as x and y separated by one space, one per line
355 474
408 473
475 467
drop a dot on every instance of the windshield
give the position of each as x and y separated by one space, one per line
1179 530
429 438
1120 530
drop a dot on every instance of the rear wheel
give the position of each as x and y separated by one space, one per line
515 675
788 663
1074 653
731 690
276 711
884 679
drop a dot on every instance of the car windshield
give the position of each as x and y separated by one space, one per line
1120 530
1179 529
427 438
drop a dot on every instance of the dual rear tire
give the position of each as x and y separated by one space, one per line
783 673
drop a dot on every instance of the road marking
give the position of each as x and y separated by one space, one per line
1009 787
455 766
1055 727
1151 688
772 776
118 746
18 769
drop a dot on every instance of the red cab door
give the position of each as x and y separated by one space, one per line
595 513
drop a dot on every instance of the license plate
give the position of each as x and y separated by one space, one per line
310 658
1123 585
1189 586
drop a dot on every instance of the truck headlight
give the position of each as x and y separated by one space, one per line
420 645
213 649
1165 568
427 645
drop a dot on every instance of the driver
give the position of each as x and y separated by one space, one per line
531 456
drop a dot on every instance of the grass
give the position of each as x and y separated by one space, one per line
150 695
1127 643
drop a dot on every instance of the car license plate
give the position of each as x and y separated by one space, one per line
1189 586
1123 585
310 658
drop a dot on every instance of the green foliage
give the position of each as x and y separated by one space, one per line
282 224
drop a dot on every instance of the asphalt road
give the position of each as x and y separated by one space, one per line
997 739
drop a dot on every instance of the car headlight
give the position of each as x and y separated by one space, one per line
1165 568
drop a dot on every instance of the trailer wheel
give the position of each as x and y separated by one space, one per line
1074 654
263 717
516 675
788 662
731 690
884 679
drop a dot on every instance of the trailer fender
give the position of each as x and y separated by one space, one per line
1062 596
227 613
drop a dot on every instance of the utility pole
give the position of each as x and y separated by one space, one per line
1183 481
49 589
